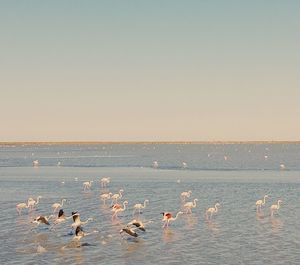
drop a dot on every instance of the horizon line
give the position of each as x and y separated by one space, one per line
152 142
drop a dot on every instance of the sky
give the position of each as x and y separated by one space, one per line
149 70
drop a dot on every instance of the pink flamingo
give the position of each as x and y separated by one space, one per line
189 205
117 208
167 218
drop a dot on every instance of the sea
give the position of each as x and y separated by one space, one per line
235 175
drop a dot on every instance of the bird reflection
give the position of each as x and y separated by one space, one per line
213 227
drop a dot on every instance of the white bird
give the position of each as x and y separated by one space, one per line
139 206
35 163
118 208
189 205
77 222
105 196
87 185
261 203
167 218
185 194
57 205
275 207
117 196
31 202
155 164
212 210
184 165
104 182
21 206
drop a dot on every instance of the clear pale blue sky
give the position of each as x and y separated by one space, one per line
149 70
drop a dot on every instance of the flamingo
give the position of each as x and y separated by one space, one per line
31 202
167 218
77 222
212 210
21 206
155 164
42 220
261 203
275 207
57 205
104 182
139 206
185 194
189 205
138 224
35 163
129 231
117 196
87 185
80 234
105 197
118 208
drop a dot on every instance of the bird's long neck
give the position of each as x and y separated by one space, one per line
176 216
194 204
265 199
37 200
62 203
216 208
278 204
124 206
145 203
120 192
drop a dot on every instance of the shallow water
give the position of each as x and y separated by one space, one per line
236 234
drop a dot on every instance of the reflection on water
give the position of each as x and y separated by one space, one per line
236 235
276 224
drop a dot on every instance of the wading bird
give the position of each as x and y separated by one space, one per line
189 205
57 205
87 185
261 203
104 182
211 211
105 196
21 206
185 194
167 218
275 207
139 206
117 208
31 202
117 196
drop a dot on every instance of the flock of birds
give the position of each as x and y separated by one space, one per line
135 227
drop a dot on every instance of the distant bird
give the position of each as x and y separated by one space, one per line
282 166
42 220
31 202
212 211
76 220
155 164
184 165
167 218
80 234
129 231
104 182
35 163
105 196
261 203
185 194
139 206
57 205
87 185
138 224
117 196
275 207
118 208
189 205
21 206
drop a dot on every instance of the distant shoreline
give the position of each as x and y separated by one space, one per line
144 142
